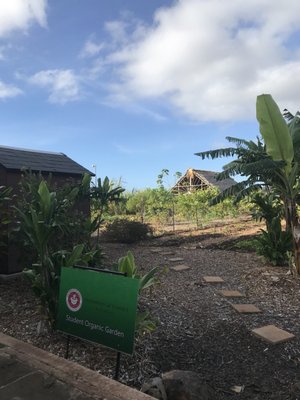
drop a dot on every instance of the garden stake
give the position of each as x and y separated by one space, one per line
118 366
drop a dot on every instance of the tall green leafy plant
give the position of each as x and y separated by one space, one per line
40 224
102 195
272 163
281 141
265 207
275 244
45 223
127 266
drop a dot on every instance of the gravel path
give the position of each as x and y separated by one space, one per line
197 330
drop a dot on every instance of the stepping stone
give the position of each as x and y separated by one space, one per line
181 267
213 279
272 334
231 293
175 259
246 308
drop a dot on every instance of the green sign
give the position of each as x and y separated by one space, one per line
99 307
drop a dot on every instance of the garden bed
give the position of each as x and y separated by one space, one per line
197 329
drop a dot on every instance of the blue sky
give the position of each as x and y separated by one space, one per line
138 86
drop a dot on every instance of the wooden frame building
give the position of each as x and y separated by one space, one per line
195 179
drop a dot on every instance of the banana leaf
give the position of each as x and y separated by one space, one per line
274 130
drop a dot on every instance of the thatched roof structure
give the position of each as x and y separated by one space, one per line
195 179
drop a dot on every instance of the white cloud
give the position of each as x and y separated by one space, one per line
91 49
62 84
7 91
210 59
19 14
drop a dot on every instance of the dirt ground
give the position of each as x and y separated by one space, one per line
197 329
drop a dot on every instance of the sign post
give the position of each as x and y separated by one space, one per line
98 307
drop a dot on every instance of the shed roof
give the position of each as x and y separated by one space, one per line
12 158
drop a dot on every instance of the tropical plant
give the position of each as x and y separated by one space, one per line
275 244
104 193
127 266
273 162
45 223
252 162
282 144
265 207
194 206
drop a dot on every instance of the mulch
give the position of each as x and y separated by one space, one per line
197 329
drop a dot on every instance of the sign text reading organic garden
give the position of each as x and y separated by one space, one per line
99 307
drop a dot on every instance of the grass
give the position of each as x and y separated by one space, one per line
247 244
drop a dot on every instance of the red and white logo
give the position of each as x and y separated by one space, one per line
74 300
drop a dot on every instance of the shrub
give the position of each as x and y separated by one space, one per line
125 231
275 244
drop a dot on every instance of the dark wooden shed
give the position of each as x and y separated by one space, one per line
63 171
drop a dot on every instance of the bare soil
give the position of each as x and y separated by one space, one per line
197 329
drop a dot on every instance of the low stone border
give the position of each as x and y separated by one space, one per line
75 375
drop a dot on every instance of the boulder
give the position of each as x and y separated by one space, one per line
155 388
179 385
187 385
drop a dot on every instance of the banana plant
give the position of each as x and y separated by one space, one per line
282 143
275 131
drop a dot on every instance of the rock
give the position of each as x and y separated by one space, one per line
275 278
187 385
155 388
42 328
237 389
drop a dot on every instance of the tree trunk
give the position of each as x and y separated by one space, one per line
292 225
290 214
296 240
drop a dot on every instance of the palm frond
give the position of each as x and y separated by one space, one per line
218 153
239 191
247 191
237 141
229 170
263 167
231 191
288 115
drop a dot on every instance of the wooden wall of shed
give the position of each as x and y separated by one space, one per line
3 180
10 257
